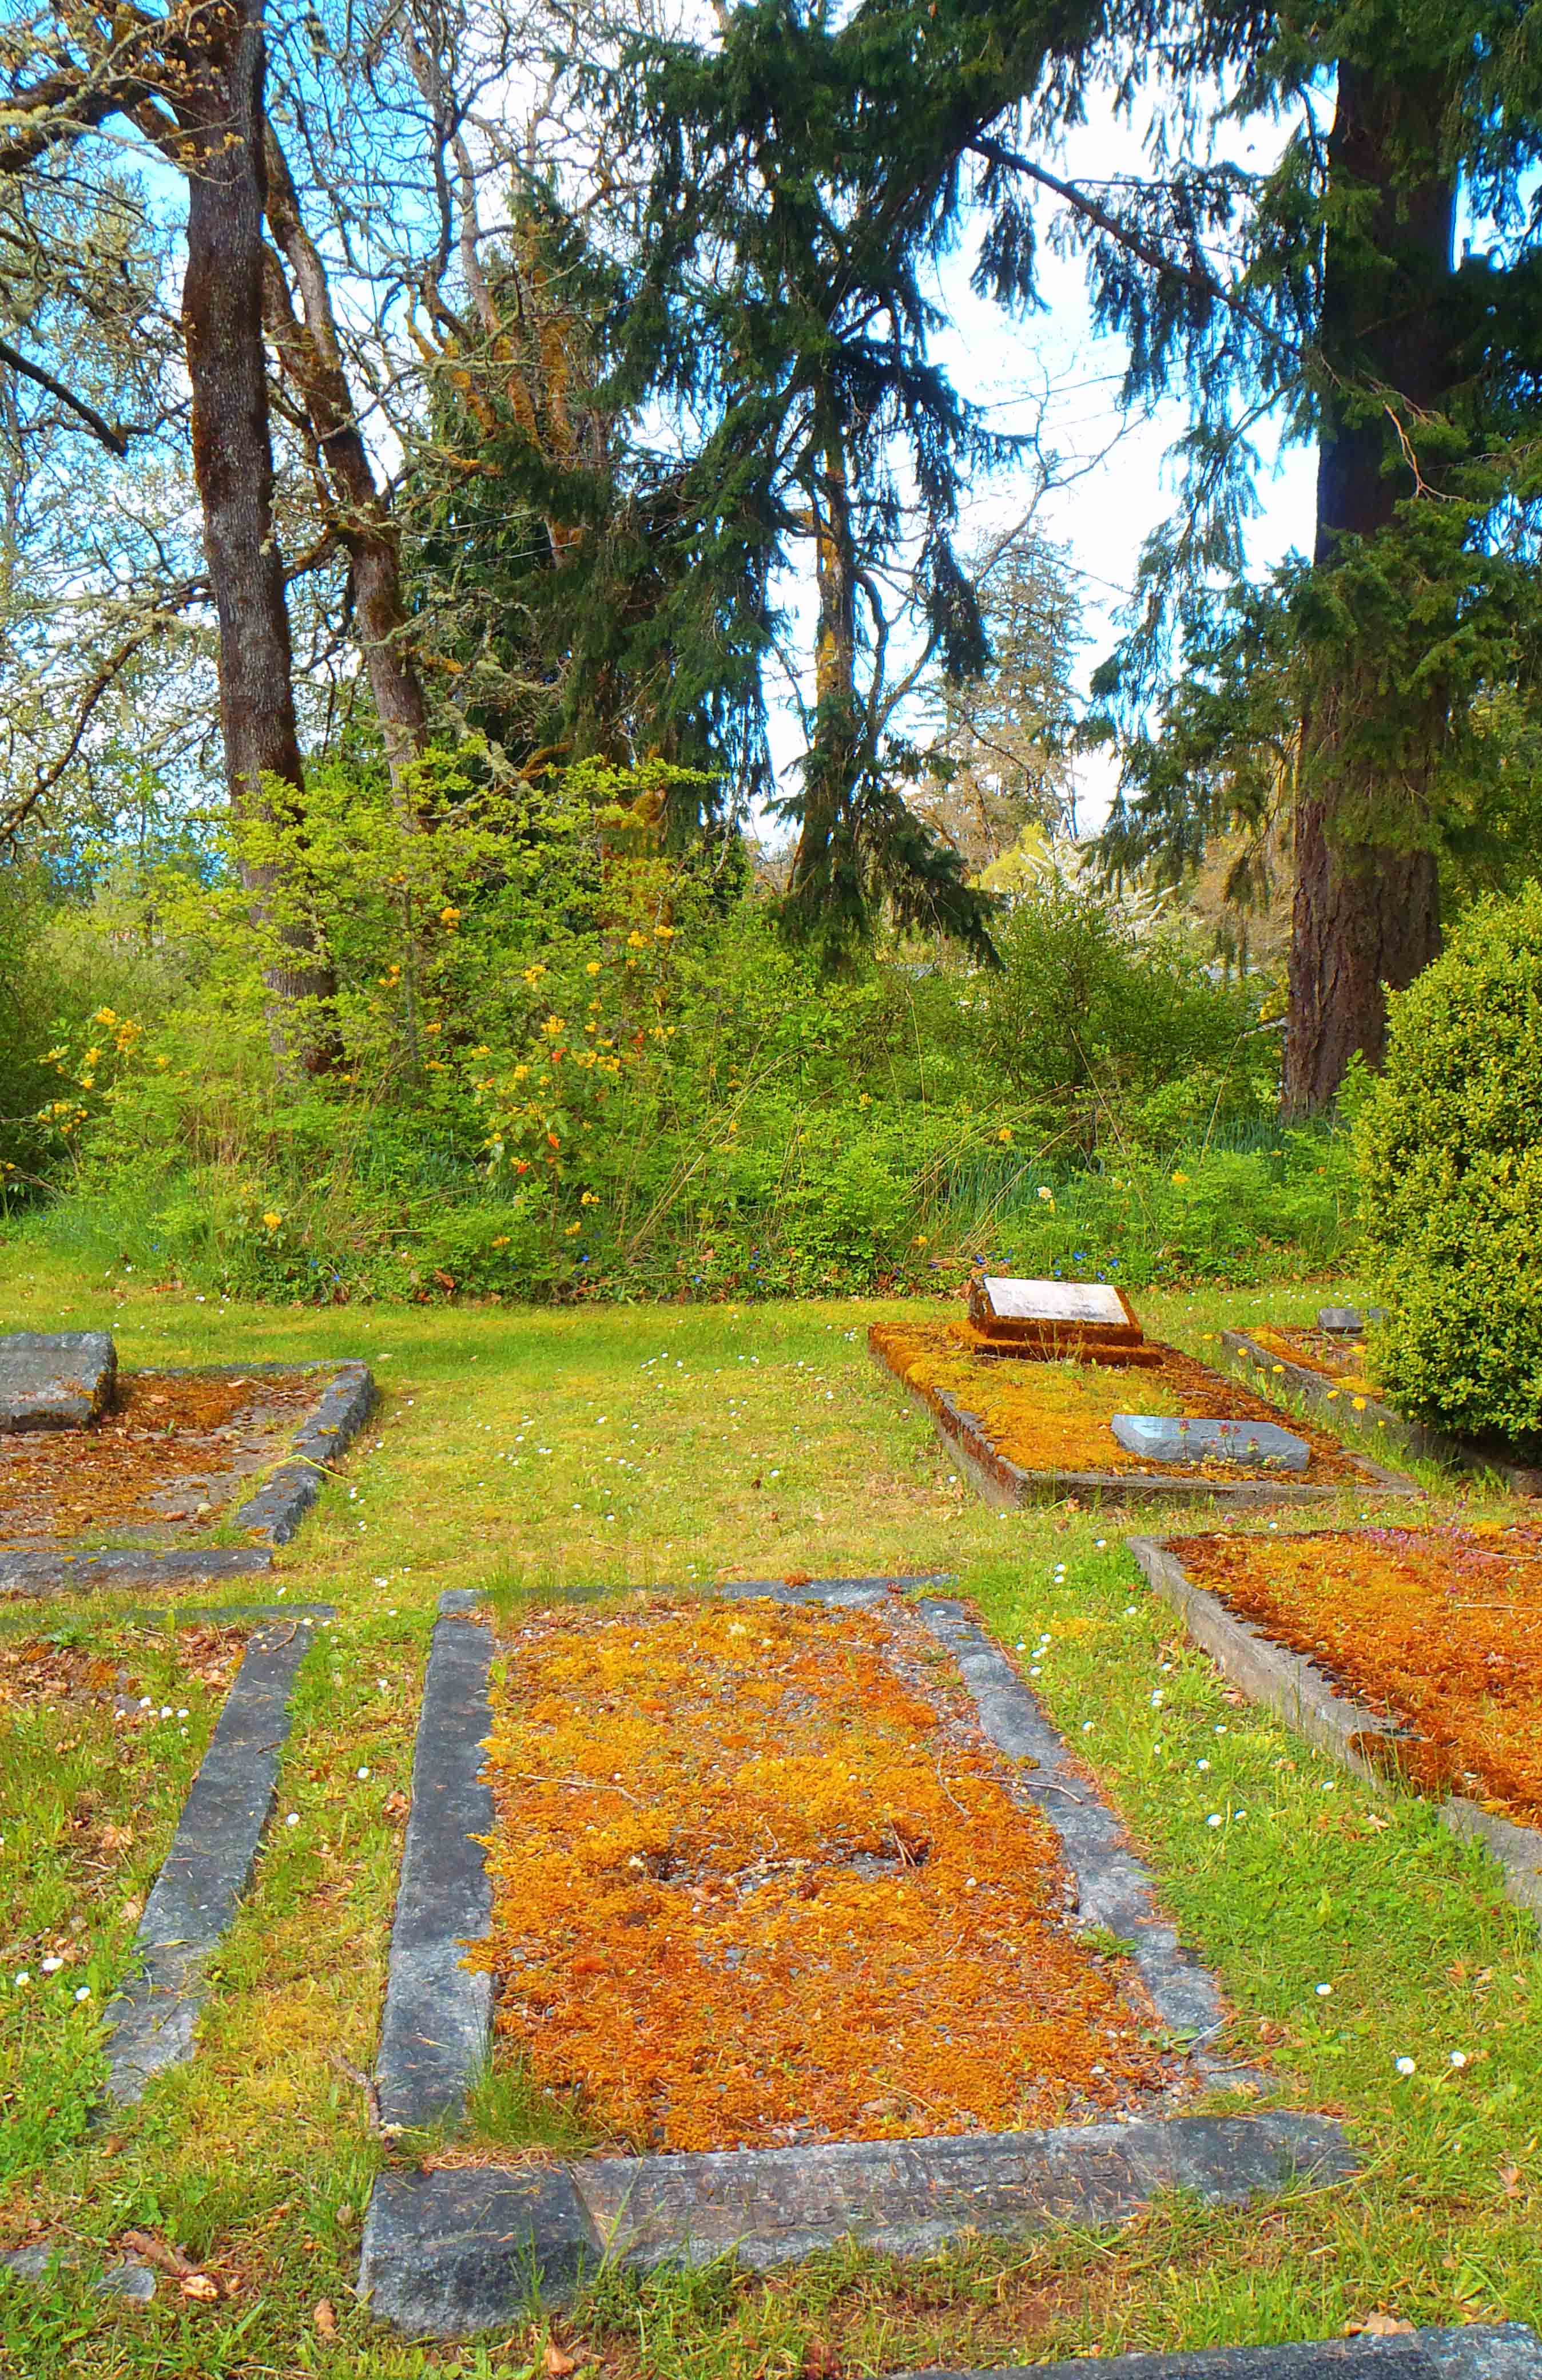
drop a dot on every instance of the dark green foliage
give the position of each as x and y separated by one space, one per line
1450 1150
1113 1034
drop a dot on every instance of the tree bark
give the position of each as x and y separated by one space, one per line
311 354
219 110
1366 913
830 768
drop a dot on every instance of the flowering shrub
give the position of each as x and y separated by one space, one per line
564 1059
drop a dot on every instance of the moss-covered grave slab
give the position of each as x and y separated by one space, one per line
1409 1653
450 2248
1026 1432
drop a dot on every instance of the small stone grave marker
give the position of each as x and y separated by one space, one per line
61 1379
1347 1321
1169 1437
1089 1319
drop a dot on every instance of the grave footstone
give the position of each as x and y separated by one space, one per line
1347 1321
61 1379
1169 1438
1045 1319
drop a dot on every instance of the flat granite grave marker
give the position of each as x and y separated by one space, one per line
1169 1438
1045 1320
1504 2351
60 1379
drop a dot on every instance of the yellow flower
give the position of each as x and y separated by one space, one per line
482 1050
590 1198
534 973
593 967
1180 1182
865 1099
104 1016
919 1241
553 1026
665 933
1359 1404
272 1220
572 1232
449 915
1005 1133
502 1241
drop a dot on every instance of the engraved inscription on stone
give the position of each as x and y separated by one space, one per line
1053 1301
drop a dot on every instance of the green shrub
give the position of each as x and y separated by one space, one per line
570 1061
1448 1144
1104 1027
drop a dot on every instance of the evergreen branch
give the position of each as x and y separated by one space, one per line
1193 276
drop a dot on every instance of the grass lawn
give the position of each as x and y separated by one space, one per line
550 1454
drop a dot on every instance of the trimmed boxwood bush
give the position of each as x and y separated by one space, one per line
1449 1146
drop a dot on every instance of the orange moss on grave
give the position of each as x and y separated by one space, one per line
1338 1359
759 1879
171 1443
1055 1417
1439 1629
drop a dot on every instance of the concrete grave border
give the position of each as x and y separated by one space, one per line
1006 1486
1379 1422
1299 1692
1502 2352
272 1513
150 2022
454 2250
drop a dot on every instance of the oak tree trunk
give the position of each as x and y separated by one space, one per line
220 112
1366 911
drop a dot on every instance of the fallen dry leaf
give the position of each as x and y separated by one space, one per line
155 2251
820 2360
1511 2176
200 2288
1378 2326
396 1805
325 2318
556 2364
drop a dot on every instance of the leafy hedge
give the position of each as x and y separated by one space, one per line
1448 1145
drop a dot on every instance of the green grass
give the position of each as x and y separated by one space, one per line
258 2157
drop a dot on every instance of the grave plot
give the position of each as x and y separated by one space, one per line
796 1901
1058 1413
183 1474
1329 1367
99 1746
1415 1653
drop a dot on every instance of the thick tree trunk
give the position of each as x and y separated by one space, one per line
829 768
313 357
1367 914
220 111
